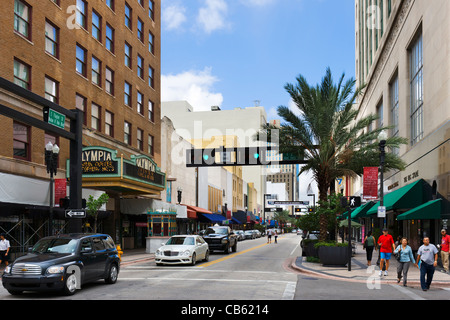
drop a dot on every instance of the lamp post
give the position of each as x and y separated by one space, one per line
382 145
179 193
51 161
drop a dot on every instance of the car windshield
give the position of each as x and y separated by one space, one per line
187 241
55 246
216 230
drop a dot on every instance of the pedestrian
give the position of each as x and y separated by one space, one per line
406 256
369 245
269 236
427 256
386 244
275 235
445 249
4 249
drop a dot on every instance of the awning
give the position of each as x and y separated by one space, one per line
198 210
344 223
410 196
233 220
211 217
428 211
361 211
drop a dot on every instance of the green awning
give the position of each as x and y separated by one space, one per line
410 196
427 211
344 223
361 211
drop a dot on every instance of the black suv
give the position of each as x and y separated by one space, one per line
64 263
221 238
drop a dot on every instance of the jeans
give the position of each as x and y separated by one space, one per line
428 270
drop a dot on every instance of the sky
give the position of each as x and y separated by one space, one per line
231 53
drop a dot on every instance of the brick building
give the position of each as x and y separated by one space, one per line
102 57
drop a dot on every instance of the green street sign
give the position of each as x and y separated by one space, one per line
54 118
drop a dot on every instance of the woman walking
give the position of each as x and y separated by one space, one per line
406 256
369 245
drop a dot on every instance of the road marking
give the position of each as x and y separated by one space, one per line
289 292
292 252
190 269
409 293
204 265
207 279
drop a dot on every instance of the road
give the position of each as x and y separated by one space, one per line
256 272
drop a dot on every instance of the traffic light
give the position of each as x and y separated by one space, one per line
310 210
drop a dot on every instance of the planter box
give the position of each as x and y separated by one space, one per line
333 256
310 251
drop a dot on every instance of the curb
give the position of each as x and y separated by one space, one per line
435 284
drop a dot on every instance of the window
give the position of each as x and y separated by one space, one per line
128 51
95 116
151 43
140 139
127 133
140 30
393 89
96 71
150 77
416 83
81 13
81 104
380 114
109 42
22 18
81 55
21 141
22 74
51 39
96 26
140 105
109 123
51 89
151 9
151 114
140 67
127 94
109 81
128 16
150 144
110 4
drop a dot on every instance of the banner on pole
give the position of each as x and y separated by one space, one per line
370 183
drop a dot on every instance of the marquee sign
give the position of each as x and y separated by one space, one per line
103 163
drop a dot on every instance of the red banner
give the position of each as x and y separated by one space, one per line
60 190
370 183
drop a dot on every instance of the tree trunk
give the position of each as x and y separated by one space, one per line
323 186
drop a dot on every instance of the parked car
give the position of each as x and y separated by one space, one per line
257 233
64 263
299 232
240 234
221 238
183 249
310 235
249 234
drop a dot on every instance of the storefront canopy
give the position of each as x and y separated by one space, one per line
359 212
427 211
410 196
344 223
211 217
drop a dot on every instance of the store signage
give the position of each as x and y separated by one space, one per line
99 161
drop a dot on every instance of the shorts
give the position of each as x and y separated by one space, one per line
385 255
3 256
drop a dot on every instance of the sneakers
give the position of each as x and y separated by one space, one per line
385 273
381 273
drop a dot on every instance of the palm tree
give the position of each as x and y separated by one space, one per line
327 134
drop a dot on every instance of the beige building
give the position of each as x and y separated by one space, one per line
402 56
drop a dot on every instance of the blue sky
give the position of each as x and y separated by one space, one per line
233 52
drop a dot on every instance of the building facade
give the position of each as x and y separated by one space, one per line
402 50
102 57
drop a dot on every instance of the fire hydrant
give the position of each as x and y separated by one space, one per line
119 252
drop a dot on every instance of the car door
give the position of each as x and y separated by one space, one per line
201 246
87 256
101 257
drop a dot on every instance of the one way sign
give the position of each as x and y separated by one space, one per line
76 213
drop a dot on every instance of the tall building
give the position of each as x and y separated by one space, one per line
102 57
402 50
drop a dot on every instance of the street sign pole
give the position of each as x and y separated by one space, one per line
349 238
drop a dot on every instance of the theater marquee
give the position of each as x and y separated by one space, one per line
104 169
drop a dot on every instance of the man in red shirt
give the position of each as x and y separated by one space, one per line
387 246
445 249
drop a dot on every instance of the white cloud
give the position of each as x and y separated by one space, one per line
173 16
194 86
257 3
213 16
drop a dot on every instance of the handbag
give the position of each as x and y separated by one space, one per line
398 255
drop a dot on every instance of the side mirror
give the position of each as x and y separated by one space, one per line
163 244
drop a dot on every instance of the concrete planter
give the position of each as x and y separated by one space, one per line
333 256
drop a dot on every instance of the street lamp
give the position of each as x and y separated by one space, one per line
51 161
179 193
382 145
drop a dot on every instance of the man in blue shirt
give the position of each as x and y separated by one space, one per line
427 255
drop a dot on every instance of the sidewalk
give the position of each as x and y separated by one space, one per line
360 272
135 256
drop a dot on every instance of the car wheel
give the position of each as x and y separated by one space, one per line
194 259
112 274
15 292
70 286
206 256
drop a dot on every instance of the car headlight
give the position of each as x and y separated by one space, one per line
186 253
55 269
224 240
7 269
158 252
